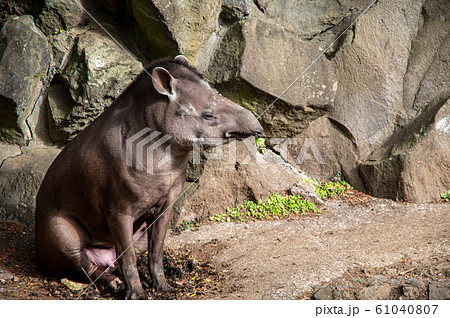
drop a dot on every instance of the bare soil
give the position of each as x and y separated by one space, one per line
357 244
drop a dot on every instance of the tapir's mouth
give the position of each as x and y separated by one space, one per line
238 135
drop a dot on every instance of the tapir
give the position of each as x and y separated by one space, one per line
96 212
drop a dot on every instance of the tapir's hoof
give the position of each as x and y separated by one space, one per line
110 284
136 294
163 288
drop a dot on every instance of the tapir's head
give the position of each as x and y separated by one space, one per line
193 110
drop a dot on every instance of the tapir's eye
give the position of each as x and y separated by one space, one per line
208 116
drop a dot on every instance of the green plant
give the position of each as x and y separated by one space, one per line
260 144
192 225
329 189
446 196
276 207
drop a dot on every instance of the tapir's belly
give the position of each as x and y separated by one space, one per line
104 257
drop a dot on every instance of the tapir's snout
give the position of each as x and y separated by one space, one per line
258 132
246 125
251 122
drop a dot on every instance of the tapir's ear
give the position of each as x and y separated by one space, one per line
163 82
182 59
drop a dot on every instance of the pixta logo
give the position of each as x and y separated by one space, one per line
148 150
141 149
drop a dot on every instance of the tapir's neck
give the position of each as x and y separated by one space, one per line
147 145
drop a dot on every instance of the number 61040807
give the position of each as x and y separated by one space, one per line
406 309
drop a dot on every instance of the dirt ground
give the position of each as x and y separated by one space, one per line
357 248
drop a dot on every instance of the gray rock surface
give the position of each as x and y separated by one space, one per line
98 71
418 173
320 15
439 290
24 69
325 149
376 290
285 107
20 178
236 173
167 28
61 15
234 10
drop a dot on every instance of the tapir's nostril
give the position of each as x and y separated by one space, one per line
257 133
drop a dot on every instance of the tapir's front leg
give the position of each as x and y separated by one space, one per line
156 238
122 231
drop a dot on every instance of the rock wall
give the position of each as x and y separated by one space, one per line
357 87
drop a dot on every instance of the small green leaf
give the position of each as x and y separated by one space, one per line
445 196
260 144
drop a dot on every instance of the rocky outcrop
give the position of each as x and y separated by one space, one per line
166 28
97 72
235 173
418 172
411 161
24 74
385 75
357 88
18 8
307 19
284 107
325 149
60 15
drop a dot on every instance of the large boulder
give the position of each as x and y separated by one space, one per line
306 18
291 85
24 73
166 28
20 178
235 173
411 163
380 112
98 70
19 7
381 67
234 11
419 173
61 15
326 149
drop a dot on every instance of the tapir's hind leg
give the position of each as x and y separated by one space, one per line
61 247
